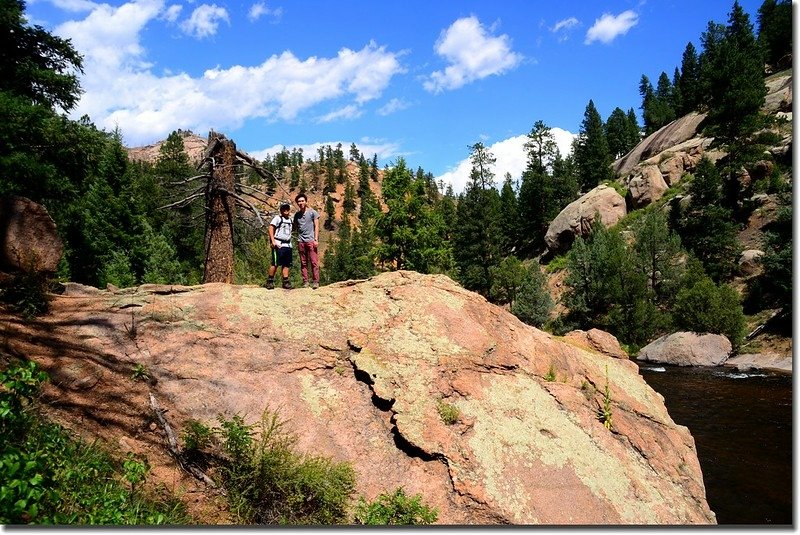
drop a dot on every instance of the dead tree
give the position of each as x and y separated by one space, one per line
225 197
220 213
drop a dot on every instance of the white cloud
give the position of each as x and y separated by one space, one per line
368 147
109 37
472 54
510 158
75 5
608 27
393 106
565 24
350 111
562 28
121 89
204 21
172 13
261 9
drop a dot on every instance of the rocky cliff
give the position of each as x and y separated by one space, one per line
358 369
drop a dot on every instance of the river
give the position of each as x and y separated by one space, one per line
742 427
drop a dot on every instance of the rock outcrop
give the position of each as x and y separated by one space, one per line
577 217
357 369
29 240
688 349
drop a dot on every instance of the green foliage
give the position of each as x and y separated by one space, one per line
27 294
395 509
140 373
269 483
412 233
592 156
50 478
533 302
197 436
550 376
705 307
731 78
606 416
447 412
775 32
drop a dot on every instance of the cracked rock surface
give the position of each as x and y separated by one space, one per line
362 372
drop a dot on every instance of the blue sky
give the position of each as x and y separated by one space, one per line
422 80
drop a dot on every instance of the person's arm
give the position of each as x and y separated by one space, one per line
316 230
272 235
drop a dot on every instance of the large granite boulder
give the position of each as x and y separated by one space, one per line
29 240
688 349
577 217
645 187
359 371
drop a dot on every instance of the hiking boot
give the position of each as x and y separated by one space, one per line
287 285
305 284
315 285
270 285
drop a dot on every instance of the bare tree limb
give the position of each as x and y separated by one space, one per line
174 449
183 202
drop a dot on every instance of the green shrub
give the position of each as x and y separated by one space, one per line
197 436
27 294
394 509
50 478
705 307
447 412
269 483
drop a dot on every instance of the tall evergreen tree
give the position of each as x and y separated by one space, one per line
475 237
592 157
618 133
775 32
689 81
732 77
509 221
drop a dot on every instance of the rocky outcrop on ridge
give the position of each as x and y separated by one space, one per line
357 370
577 217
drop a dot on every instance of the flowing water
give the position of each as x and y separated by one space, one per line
742 427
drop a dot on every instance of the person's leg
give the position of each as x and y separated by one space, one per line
285 260
273 267
313 258
303 251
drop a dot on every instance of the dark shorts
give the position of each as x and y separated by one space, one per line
282 256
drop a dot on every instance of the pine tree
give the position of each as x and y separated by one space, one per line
689 80
617 133
509 223
533 302
775 32
732 78
633 133
475 236
592 157
330 213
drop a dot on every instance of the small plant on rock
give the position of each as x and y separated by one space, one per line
606 414
447 412
395 509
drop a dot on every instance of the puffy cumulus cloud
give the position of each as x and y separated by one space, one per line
109 37
510 157
121 89
204 21
261 9
609 27
473 54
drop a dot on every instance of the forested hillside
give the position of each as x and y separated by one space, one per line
664 267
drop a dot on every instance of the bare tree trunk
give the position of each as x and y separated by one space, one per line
220 206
